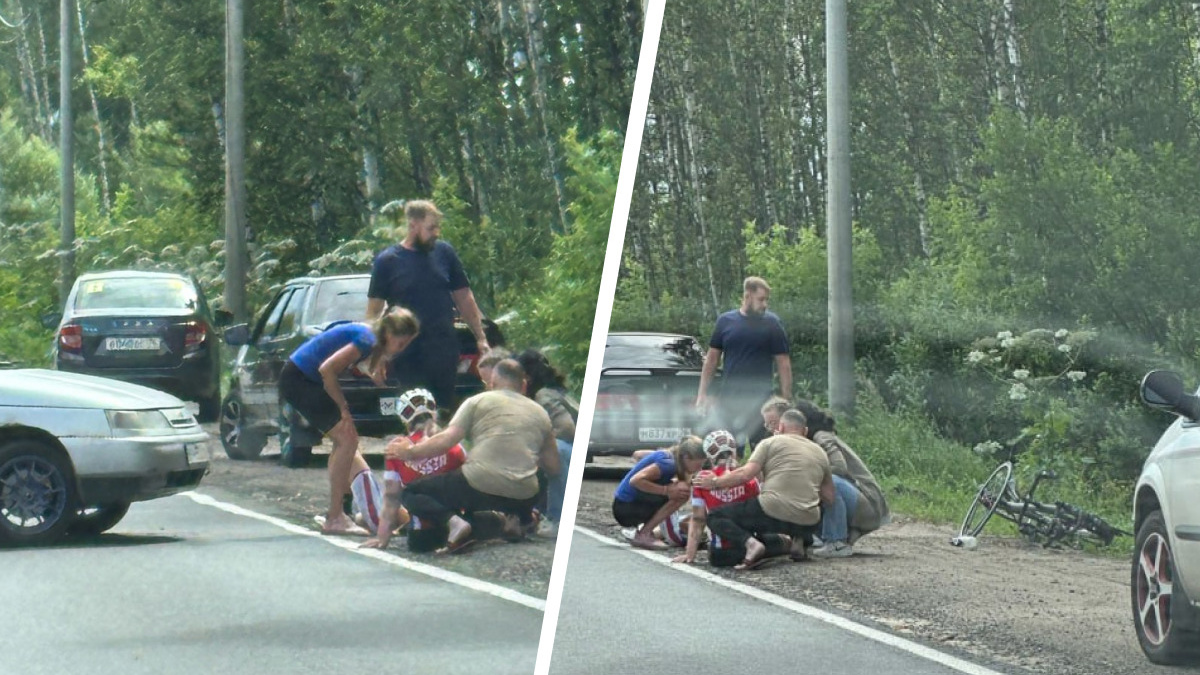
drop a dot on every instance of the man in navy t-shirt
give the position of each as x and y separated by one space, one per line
754 345
424 274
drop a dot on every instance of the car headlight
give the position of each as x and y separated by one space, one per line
138 422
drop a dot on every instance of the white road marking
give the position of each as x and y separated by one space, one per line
877 635
352 546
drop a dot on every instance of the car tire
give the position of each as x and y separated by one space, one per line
38 497
238 443
1163 621
97 521
291 455
210 409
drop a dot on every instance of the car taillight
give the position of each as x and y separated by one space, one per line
616 401
70 337
195 336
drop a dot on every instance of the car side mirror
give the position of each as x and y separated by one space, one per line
1163 389
50 320
222 317
237 335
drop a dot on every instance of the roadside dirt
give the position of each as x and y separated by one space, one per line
296 495
1023 609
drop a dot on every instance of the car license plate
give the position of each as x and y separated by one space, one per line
138 344
387 405
197 453
657 434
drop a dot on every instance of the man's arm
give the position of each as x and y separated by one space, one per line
375 308
706 375
783 365
739 476
437 444
464 300
548 458
827 490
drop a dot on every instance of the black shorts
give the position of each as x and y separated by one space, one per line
642 508
308 398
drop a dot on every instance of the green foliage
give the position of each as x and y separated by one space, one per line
562 305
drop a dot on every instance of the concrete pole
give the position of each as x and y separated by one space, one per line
838 229
236 259
66 147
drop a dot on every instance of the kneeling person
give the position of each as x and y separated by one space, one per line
418 410
510 437
796 481
721 448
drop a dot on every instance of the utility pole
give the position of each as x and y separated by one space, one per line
236 259
66 147
837 212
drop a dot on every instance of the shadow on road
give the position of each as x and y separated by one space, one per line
115 540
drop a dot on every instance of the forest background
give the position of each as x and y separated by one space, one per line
510 114
1025 221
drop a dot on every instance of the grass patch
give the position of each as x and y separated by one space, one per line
931 478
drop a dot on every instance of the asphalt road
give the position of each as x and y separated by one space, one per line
183 587
622 612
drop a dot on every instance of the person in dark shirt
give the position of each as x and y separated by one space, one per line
753 343
424 275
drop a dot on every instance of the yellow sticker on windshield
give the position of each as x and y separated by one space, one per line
175 284
93 287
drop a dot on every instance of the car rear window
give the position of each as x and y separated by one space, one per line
136 292
653 351
340 300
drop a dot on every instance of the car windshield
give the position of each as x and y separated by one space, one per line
136 292
340 300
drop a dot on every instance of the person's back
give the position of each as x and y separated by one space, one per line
864 480
793 469
562 409
505 431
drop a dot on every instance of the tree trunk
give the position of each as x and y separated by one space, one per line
912 142
533 38
106 201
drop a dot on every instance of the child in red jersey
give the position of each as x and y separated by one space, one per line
721 448
418 410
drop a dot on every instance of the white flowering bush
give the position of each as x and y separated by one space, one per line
1060 413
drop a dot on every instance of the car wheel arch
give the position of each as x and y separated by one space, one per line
1145 502
12 433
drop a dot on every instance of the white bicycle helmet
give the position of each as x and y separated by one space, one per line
720 445
414 403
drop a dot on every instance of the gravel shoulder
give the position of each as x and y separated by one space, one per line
296 495
1023 608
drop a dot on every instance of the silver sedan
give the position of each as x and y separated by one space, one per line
77 450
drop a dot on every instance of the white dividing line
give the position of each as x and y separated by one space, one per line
352 546
916 649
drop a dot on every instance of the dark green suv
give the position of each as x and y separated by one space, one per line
252 410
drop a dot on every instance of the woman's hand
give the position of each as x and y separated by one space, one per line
683 558
678 490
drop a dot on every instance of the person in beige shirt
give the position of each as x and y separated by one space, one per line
796 481
509 437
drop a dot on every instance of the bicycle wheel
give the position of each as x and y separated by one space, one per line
990 493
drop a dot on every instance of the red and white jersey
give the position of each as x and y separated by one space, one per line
713 499
407 472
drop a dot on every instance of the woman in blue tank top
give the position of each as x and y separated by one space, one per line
309 382
656 487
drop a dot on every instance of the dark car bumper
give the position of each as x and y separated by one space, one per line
195 377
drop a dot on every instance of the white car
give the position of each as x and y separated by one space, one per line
76 450
1166 513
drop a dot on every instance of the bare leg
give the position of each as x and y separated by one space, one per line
645 536
341 462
